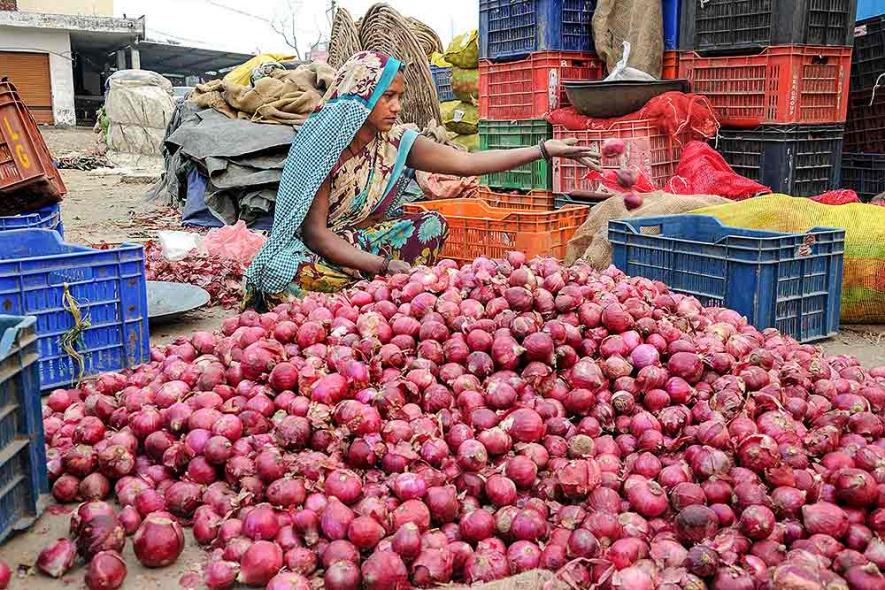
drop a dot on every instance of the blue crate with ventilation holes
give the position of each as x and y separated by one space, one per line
48 217
788 281
24 482
42 276
670 9
511 29
442 79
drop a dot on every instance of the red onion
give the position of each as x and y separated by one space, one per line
477 525
106 571
757 522
57 558
342 575
825 518
221 575
159 540
384 570
260 563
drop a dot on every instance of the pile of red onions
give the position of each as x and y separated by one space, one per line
221 277
464 425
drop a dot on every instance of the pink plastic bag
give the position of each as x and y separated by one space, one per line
235 242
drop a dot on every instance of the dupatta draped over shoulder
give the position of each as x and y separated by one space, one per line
371 183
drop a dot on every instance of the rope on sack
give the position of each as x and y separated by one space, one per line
876 87
74 336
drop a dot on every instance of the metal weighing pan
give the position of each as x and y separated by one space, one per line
167 301
616 99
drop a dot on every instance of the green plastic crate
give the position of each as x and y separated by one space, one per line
495 135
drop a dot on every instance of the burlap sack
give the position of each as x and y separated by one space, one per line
284 96
640 22
591 243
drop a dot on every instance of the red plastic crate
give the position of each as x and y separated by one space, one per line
670 66
28 178
782 85
532 87
479 229
648 149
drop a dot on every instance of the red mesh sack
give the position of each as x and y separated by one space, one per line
609 179
686 116
837 197
703 171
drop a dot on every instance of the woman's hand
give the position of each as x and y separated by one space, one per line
569 148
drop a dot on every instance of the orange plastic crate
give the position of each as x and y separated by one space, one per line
479 229
670 66
648 149
783 84
28 178
531 201
532 87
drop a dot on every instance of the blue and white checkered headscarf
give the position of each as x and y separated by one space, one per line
317 147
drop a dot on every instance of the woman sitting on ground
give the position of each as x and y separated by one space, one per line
338 216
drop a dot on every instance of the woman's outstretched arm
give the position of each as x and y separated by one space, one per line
324 242
429 156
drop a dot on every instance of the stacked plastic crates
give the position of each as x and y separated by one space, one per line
89 306
650 149
777 73
863 162
526 49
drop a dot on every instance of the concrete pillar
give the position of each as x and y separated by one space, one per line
121 59
135 56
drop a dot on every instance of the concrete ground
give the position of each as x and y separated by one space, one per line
105 208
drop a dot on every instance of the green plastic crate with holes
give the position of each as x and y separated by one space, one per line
495 135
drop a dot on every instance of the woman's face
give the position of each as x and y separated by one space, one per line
383 116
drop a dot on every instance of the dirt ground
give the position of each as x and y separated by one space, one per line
108 209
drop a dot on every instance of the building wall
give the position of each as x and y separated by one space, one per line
58 45
75 7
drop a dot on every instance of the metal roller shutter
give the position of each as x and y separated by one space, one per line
30 73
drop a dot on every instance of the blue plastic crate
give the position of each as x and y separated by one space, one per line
870 8
108 286
442 79
23 478
671 23
792 282
48 217
511 29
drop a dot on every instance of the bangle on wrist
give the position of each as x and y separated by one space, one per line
385 265
544 153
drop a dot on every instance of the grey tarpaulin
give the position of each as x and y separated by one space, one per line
242 160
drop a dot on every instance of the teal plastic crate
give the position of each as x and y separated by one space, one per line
38 269
24 482
48 217
496 135
792 282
